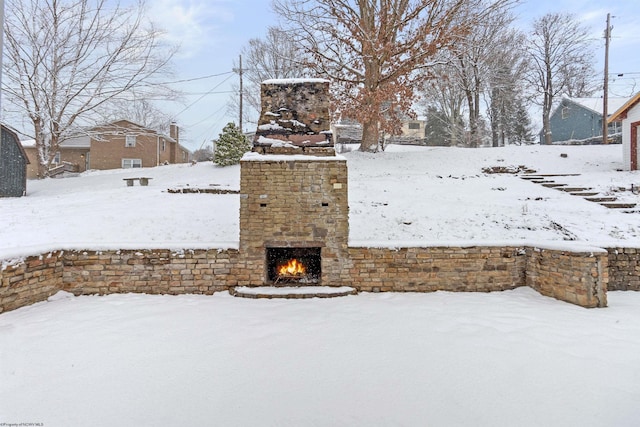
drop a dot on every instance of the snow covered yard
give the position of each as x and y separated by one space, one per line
441 359
406 195
507 358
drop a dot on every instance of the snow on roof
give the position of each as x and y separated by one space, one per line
596 105
294 81
82 141
621 111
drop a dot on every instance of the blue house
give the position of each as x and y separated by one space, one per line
579 120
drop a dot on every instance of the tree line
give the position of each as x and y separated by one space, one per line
463 64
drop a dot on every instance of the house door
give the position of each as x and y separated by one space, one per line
87 161
634 145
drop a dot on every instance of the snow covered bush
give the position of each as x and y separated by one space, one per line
230 147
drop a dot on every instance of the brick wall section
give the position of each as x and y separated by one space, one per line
33 280
152 272
624 269
429 269
294 203
577 277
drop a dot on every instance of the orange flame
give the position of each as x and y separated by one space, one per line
292 268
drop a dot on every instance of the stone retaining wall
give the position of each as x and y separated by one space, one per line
31 280
429 269
576 277
624 269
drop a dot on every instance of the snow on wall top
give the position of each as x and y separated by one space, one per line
294 81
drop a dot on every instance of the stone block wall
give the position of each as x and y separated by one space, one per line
577 277
31 280
624 269
428 269
152 271
293 203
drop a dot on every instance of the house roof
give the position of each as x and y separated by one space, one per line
17 141
622 111
114 124
596 104
82 141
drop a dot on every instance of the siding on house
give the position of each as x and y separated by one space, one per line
633 115
580 119
628 113
13 165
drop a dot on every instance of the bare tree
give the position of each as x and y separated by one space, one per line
373 49
277 56
142 112
558 48
473 62
66 59
440 94
506 90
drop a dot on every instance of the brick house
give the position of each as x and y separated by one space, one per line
120 144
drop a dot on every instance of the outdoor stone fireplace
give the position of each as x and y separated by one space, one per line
293 189
294 230
294 265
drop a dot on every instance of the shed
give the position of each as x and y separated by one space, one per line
13 165
629 113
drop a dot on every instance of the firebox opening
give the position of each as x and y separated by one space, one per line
293 265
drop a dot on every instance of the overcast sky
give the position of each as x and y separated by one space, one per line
213 32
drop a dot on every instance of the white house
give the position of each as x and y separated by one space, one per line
629 113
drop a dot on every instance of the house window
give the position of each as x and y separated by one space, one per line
414 125
184 156
131 163
130 141
56 158
164 145
565 112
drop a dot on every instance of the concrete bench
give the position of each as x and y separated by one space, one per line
143 181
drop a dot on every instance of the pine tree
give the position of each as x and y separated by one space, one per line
230 147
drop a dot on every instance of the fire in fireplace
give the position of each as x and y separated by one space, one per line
293 265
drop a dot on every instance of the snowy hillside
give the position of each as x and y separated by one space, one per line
512 358
407 195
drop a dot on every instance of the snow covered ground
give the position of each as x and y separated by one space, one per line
411 195
510 358
440 359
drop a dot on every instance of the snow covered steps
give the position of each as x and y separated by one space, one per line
292 292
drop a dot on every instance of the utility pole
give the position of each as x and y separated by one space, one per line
240 74
605 88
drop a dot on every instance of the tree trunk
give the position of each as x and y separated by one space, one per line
546 124
370 136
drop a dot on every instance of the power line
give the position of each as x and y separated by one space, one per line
203 95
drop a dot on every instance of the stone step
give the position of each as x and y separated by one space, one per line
601 199
547 175
574 189
584 194
553 185
292 292
619 205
